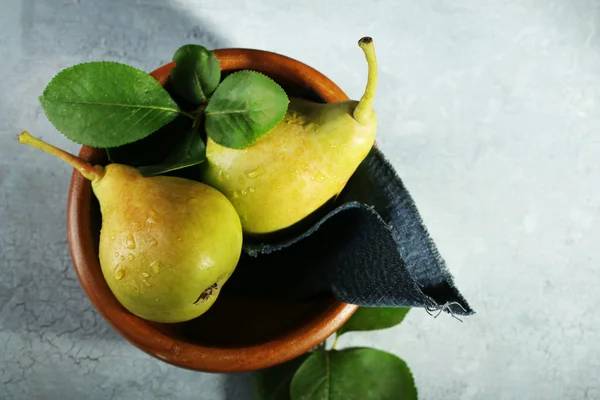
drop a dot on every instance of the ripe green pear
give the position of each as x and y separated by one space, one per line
301 163
167 244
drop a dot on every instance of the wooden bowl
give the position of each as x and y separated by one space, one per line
239 333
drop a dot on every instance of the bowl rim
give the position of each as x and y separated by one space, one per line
143 334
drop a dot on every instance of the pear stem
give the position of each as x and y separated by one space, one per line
364 109
93 173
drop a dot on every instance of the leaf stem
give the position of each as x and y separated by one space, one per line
364 110
198 116
91 172
187 114
335 341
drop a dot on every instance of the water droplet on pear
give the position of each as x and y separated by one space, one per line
155 266
256 172
130 242
119 272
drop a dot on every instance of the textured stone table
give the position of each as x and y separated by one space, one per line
489 110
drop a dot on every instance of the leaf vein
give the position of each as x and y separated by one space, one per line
85 89
126 119
158 114
200 88
102 118
137 122
228 112
169 109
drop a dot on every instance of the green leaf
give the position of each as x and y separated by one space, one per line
196 74
106 104
359 373
274 383
187 149
245 106
373 318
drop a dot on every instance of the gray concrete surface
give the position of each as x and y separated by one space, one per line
489 110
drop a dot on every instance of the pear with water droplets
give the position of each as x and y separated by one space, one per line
167 244
300 164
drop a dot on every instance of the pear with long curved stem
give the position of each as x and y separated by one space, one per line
364 112
167 244
299 165
93 173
